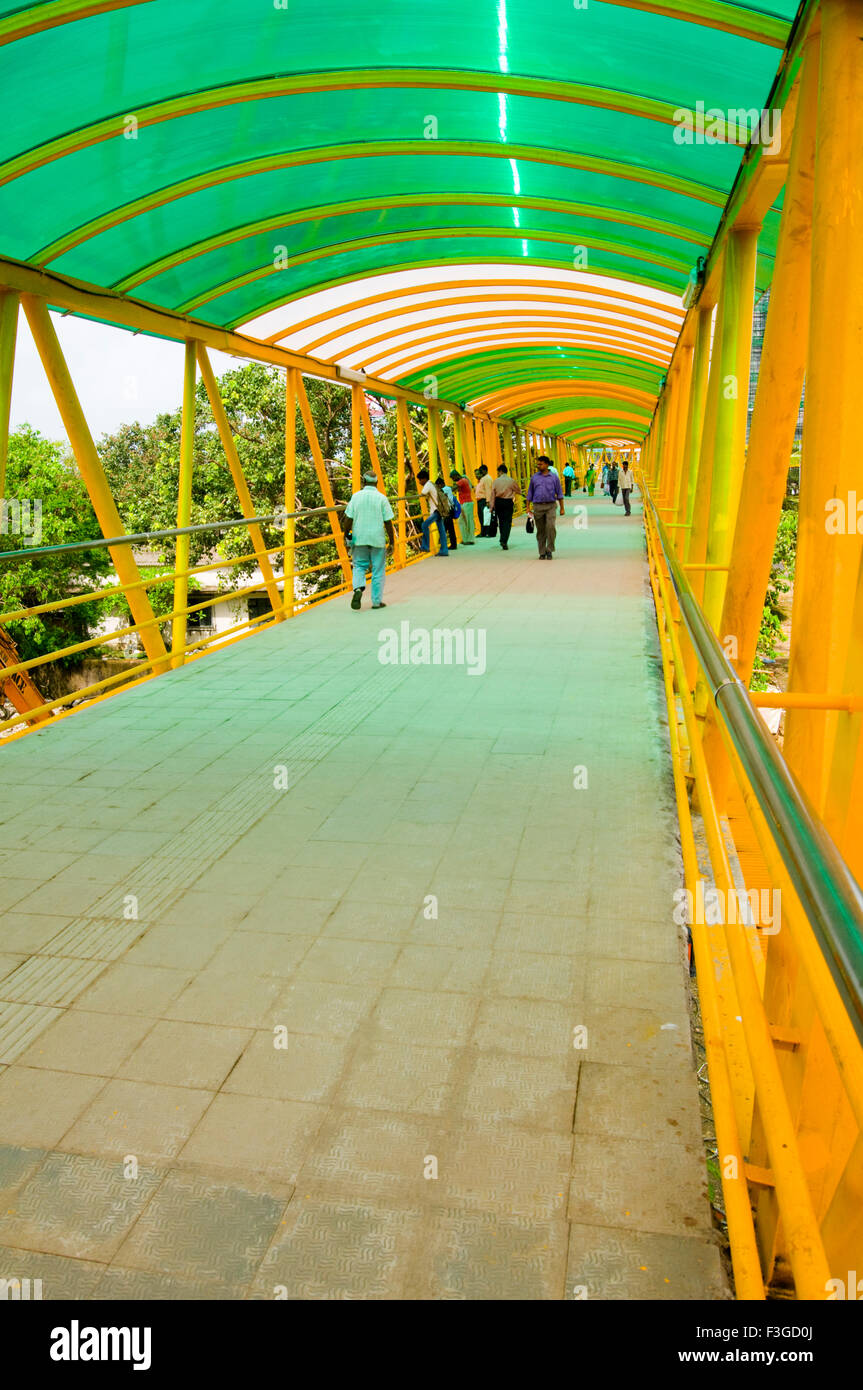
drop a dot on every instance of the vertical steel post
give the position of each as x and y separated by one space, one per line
184 507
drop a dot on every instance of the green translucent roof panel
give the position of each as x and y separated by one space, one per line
168 149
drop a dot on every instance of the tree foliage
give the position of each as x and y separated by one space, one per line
39 470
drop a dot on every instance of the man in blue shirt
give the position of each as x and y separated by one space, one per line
368 518
568 475
544 496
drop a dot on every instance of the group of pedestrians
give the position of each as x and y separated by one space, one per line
494 499
368 516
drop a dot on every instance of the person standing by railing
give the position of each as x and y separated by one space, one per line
434 517
484 493
465 499
368 518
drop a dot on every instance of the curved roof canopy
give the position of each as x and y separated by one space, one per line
496 195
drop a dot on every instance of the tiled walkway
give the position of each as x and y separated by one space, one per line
414 1026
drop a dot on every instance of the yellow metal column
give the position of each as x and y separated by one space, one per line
684 392
730 443
324 480
289 587
401 501
245 497
774 416
432 442
694 423
356 439
90 467
184 508
371 442
828 560
8 330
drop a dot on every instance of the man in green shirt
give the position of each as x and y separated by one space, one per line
368 519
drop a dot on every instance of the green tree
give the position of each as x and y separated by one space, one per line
773 616
40 471
143 467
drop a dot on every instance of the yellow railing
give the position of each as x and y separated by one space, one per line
787 1093
148 666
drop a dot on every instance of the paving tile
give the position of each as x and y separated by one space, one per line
37 1107
348 962
96 1044
249 1134
148 1122
364 1155
339 1249
488 1256
608 1263
328 1010
61 1279
393 1076
429 1019
532 975
635 1037
200 1229
462 969
133 989
524 931
17 1165
230 1000
199 1055
530 1027
141 1286
295 917
260 953
524 1091
187 950
636 1185
308 1068
457 926
657 1105
76 1206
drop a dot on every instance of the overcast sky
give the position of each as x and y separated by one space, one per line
119 377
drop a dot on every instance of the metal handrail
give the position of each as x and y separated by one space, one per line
829 894
28 552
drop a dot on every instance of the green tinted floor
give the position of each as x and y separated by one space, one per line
413 1026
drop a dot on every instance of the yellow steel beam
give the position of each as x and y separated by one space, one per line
289 587
637 354
243 494
35 19
93 302
565 286
184 508
588 300
828 561
677 265
8 331
405 337
92 473
323 476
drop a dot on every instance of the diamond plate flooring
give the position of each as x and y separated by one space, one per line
328 977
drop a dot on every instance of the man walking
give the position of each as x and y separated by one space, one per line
544 497
448 508
434 517
612 481
627 483
465 501
568 475
484 488
368 519
504 490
